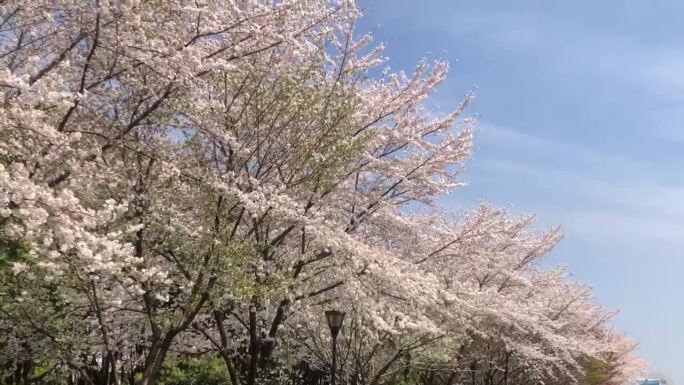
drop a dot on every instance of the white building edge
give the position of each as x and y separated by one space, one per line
650 381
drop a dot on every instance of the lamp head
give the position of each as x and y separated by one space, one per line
335 319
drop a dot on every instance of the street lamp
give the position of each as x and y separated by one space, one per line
335 319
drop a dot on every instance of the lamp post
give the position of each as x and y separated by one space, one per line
335 319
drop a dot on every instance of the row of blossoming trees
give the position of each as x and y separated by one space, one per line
206 178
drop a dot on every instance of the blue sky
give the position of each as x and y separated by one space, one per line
581 122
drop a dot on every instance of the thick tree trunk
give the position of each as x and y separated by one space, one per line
234 378
254 348
155 359
152 370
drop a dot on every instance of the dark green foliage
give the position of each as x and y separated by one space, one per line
12 251
204 370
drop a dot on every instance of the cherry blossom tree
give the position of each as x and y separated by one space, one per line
504 319
209 176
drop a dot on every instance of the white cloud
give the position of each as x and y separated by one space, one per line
568 48
600 198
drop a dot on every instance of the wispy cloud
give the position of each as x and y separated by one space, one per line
568 46
643 76
598 197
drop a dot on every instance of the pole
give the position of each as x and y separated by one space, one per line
334 361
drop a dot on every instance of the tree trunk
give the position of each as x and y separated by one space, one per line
155 359
254 348
234 379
